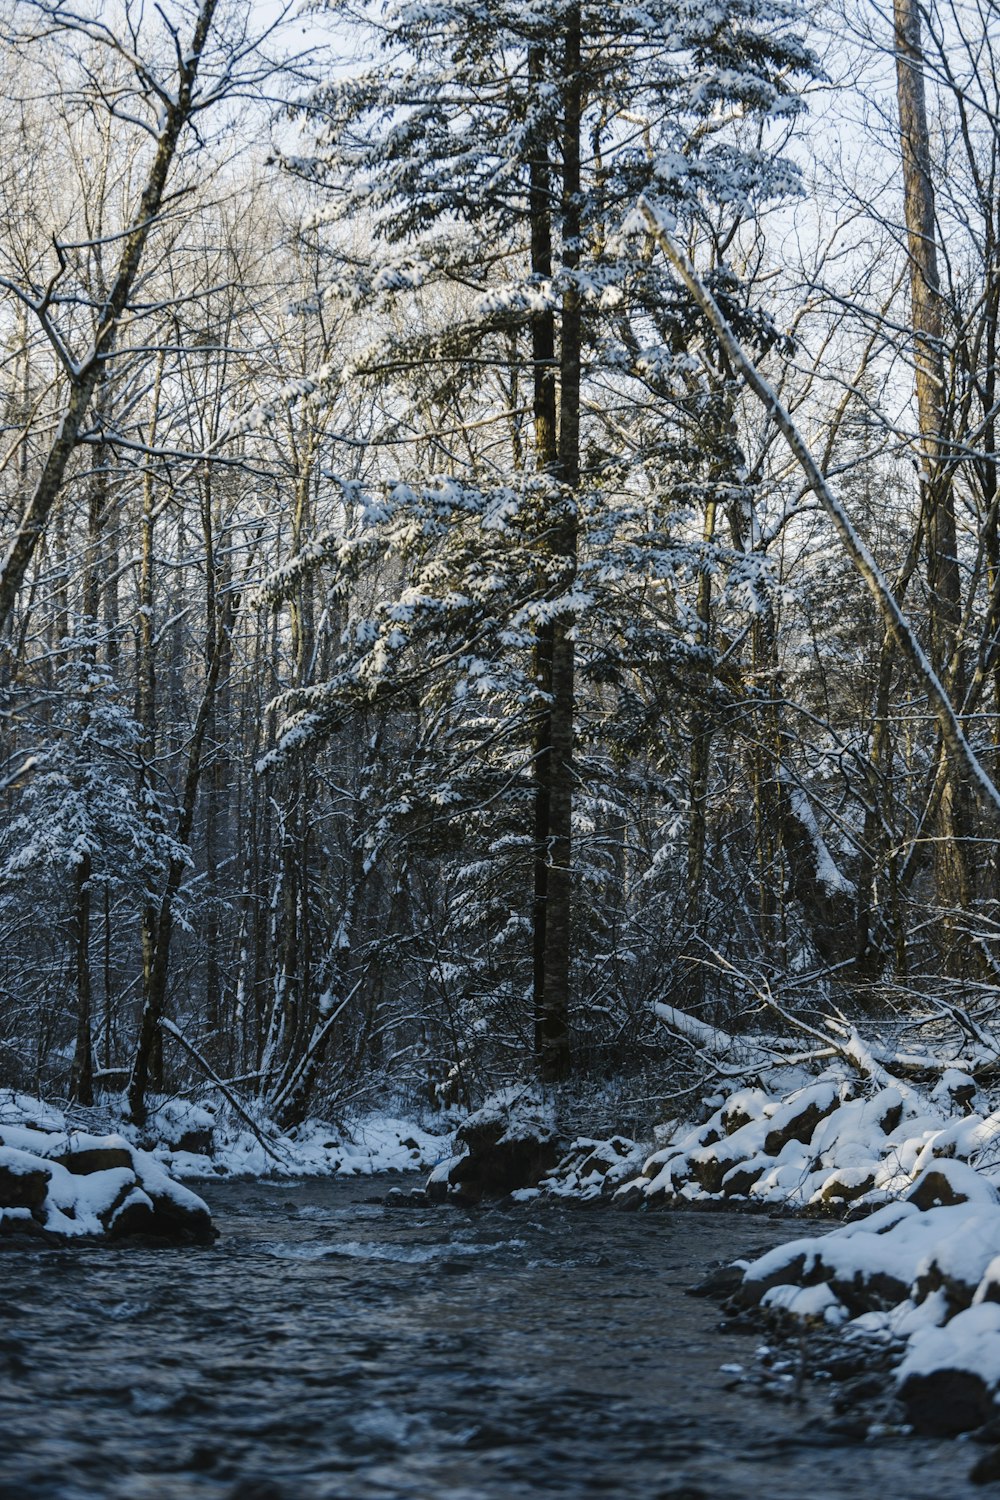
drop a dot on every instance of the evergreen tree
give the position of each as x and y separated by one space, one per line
491 156
81 821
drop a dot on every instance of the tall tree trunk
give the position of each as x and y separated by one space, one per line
927 313
548 1022
701 743
81 1084
217 580
82 1072
765 695
557 448
157 933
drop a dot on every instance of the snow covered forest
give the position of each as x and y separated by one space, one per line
500 517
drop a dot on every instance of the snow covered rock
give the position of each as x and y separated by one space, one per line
945 1401
507 1145
826 1146
24 1180
82 1160
591 1169
956 1089
58 1184
797 1118
183 1126
949 1379
742 1108
948 1182
847 1184
922 1273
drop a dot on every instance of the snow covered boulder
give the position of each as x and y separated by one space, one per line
956 1090
846 1185
740 1181
183 1126
63 1185
867 1266
949 1182
949 1376
741 1108
592 1169
710 1165
797 1117
24 1180
82 1160
508 1144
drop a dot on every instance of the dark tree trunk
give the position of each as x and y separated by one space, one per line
557 448
158 927
81 1084
953 866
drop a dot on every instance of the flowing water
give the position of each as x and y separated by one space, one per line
331 1348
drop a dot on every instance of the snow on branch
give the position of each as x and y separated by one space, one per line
856 548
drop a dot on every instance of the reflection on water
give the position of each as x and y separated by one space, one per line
329 1348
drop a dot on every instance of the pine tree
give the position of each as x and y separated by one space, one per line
81 819
492 156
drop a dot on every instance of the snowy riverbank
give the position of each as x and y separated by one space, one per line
833 1142
920 1274
58 1183
912 1283
196 1142
90 1174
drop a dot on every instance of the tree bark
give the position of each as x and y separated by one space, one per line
81 1084
927 316
701 740
557 447
157 932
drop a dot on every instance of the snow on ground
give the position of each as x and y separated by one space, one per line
188 1140
368 1143
59 1178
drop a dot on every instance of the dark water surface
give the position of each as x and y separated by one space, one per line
331 1347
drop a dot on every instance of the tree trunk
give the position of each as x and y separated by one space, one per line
159 925
81 1084
927 314
557 451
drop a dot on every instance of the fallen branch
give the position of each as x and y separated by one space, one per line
191 1049
869 1060
712 1044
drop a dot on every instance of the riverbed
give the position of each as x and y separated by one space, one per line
330 1347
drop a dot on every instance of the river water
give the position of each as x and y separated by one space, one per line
331 1348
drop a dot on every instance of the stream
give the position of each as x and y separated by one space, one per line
333 1348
